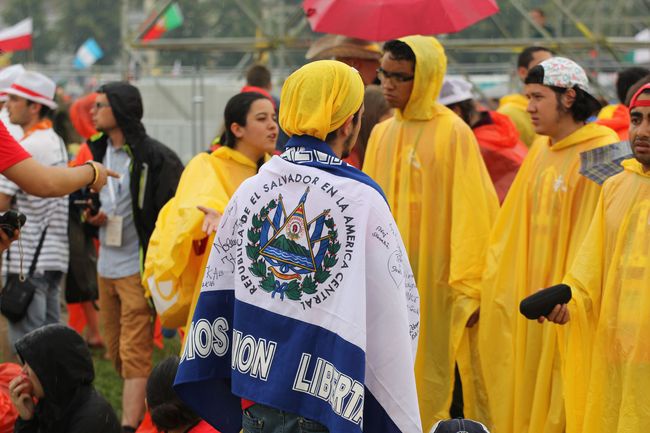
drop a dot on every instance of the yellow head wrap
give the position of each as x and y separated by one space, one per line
319 97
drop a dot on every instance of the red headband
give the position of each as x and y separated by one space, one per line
634 101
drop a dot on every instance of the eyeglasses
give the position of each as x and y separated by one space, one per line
99 105
397 76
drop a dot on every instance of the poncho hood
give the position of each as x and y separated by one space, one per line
430 69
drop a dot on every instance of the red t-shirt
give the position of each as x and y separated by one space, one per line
10 151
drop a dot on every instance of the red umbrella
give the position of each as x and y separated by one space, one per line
381 20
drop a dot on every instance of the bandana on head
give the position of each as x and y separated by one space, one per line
565 73
634 102
319 97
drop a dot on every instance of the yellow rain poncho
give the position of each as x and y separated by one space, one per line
174 258
428 163
514 106
610 280
539 229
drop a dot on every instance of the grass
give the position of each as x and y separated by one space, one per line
109 384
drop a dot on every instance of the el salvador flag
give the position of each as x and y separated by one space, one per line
87 54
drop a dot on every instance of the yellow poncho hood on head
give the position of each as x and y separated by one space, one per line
428 163
319 97
430 69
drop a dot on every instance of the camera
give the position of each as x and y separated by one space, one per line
12 221
88 200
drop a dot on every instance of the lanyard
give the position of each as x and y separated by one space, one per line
110 181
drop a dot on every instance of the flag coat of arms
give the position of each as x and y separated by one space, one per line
308 304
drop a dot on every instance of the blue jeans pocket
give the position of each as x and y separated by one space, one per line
309 426
250 424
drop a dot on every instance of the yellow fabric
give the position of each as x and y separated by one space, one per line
514 106
319 97
539 228
444 203
607 112
609 327
210 181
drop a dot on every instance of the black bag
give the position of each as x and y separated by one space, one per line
542 303
19 290
81 280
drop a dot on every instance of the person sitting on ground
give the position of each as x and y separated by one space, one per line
168 412
54 393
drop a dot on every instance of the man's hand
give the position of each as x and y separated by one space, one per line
211 219
96 220
5 240
19 392
559 315
102 176
473 319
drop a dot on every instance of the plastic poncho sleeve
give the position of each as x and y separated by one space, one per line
171 248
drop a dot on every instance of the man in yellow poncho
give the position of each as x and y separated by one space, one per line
514 105
427 161
540 226
609 312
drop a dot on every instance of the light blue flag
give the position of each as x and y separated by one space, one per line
87 54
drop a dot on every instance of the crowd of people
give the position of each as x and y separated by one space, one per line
347 257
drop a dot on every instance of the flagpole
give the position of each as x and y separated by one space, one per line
124 38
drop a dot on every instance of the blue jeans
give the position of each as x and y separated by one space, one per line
44 309
265 419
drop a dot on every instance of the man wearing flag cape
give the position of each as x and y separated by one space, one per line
308 316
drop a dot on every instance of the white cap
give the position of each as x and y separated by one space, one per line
455 89
7 77
33 86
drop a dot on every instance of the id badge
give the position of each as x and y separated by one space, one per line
114 231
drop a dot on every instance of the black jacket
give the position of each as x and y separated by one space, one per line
61 360
154 165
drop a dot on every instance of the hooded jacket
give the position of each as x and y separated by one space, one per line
428 163
616 117
155 169
514 106
61 360
502 150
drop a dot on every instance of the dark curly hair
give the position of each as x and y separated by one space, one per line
399 50
167 410
584 106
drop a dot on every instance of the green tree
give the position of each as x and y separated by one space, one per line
83 19
42 40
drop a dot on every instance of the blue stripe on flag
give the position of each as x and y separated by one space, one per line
279 361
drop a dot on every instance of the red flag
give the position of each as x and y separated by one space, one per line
17 37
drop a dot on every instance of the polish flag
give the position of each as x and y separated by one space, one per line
17 37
